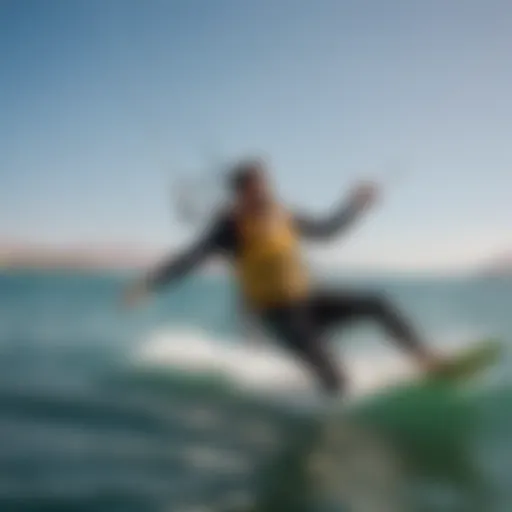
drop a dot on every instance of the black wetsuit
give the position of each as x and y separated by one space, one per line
301 325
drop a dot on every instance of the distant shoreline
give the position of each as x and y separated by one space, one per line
19 257
38 257
345 274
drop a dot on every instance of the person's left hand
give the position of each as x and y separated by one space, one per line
365 195
135 294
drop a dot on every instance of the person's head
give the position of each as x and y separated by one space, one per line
249 184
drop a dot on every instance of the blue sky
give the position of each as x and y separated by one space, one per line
103 102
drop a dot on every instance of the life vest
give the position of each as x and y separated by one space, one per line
270 270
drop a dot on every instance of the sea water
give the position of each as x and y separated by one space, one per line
176 407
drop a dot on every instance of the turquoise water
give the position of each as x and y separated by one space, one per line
172 409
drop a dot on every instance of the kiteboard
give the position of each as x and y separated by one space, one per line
467 364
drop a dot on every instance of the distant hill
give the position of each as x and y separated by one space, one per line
16 255
498 267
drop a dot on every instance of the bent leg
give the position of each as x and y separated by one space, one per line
333 308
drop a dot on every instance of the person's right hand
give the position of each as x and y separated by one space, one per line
135 294
365 194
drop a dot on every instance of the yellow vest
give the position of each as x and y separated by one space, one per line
270 270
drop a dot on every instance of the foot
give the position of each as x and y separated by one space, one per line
432 363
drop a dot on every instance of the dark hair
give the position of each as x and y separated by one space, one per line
242 173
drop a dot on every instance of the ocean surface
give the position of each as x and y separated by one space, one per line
176 408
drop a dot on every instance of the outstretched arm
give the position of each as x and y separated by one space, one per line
177 266
342 218
181 264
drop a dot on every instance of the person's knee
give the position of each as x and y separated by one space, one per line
334 383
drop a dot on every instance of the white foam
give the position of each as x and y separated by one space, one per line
264 367
256 366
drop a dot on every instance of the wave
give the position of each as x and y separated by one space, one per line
263 367
191 420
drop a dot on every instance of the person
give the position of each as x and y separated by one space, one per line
261 238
